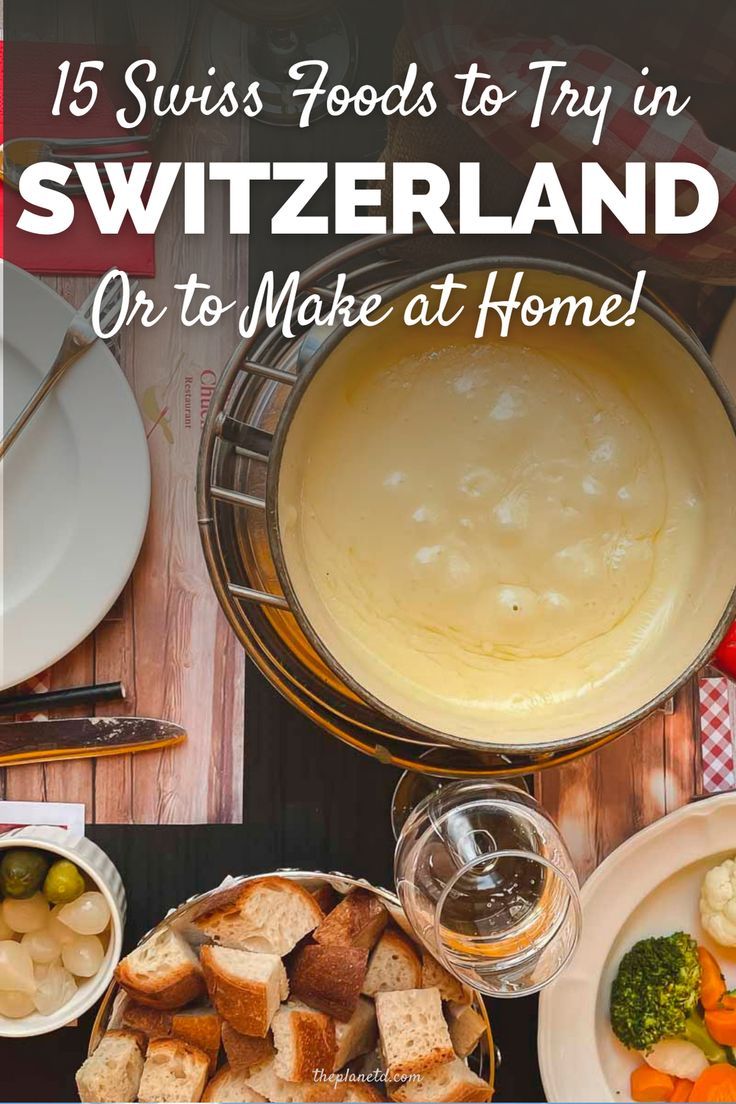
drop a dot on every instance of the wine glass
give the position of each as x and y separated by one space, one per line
437 762
487 883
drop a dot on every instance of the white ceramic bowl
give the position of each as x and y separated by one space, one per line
95 864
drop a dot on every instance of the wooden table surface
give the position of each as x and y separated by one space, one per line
166 639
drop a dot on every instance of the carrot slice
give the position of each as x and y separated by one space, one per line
683 1088
721 1025
712 985
716 1084
728 1000
648 1084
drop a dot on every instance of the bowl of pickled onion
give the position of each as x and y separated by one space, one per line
62 912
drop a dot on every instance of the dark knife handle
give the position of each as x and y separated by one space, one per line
62 699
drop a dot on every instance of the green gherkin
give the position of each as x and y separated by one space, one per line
22 873
655 990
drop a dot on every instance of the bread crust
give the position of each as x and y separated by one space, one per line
393 1011
435 976
467 1027
328 978
231 903
357 921
311 1036
358 1036
153 1022
202 1027
326 897
273 1087
138 1037
89 1078
245 1052
212 1093
395 942
361 1092
240 1001
176 1048
181 986
464 1088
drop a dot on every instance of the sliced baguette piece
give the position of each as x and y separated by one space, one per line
365 1077
394 965
326 897
264 1080
356 1092
164 972
435 976
113 1072
328 978
230 1087
153 1022
244 1052
268 915
358 1036
452 1083
357 921
245 987
413 1031
305 1042
202 1027
467 1027
173 1071
371 1066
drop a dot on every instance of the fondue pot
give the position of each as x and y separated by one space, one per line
262 417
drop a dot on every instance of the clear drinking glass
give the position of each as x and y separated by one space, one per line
488 885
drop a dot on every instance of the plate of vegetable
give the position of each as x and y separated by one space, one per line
646 1011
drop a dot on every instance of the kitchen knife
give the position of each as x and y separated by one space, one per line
83 737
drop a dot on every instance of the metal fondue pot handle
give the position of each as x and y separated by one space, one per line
252 444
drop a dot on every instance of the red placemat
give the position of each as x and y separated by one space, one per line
31 75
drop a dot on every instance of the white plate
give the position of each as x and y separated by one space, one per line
75 486
650 885
724 350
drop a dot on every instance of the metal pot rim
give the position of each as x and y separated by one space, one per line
669 322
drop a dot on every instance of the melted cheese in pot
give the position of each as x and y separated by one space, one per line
497 526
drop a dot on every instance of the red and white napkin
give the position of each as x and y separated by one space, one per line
30 71
717 699
448 38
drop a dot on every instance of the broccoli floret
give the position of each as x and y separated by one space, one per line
655 990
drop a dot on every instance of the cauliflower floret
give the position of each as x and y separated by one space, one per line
678 1057
718 903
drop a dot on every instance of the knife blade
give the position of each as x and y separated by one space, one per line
83 737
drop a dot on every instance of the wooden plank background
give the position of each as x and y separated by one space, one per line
602 799
166 639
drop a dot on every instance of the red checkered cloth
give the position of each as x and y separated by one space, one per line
448 38
717 732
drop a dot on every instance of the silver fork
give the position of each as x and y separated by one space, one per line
77 339
17 154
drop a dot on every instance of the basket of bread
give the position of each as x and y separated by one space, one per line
288 987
